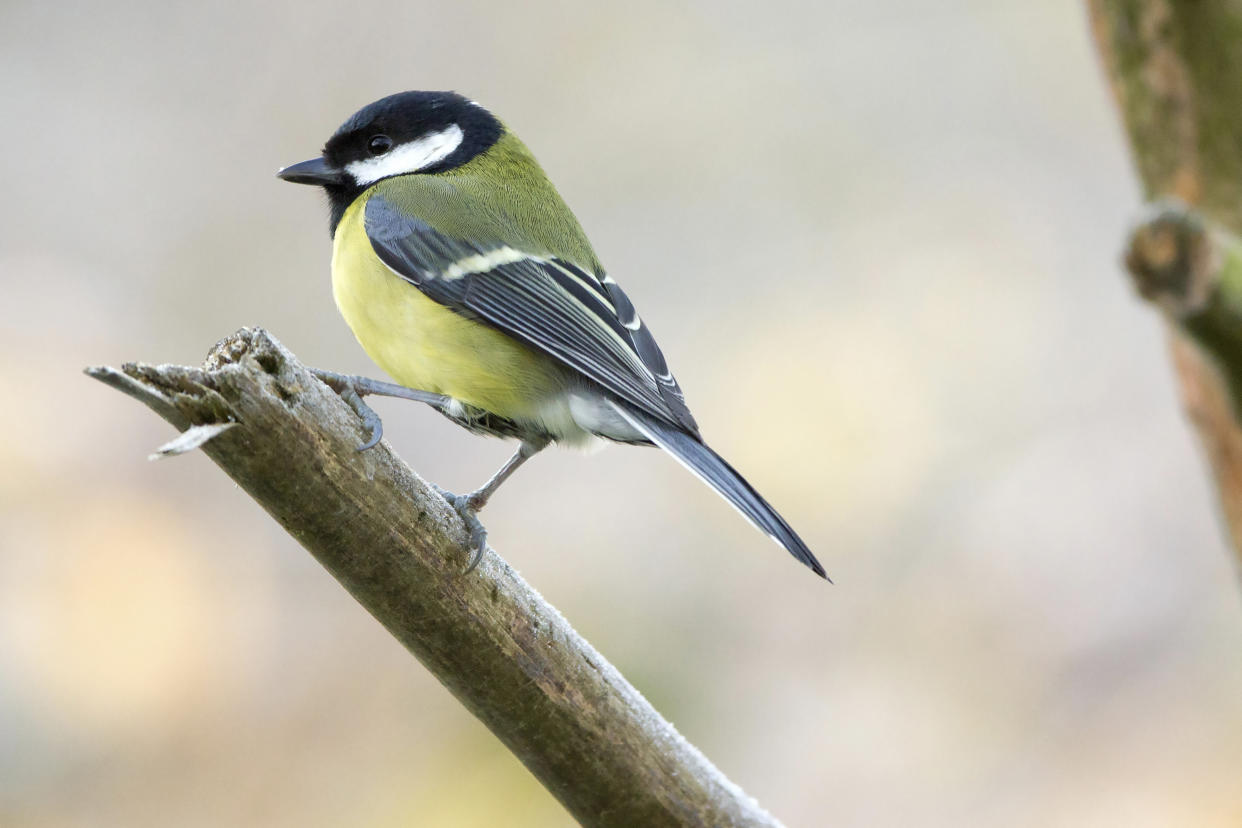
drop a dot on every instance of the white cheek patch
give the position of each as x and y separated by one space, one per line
409 157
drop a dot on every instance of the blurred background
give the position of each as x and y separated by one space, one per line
879 244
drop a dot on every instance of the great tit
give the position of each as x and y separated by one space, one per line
467 279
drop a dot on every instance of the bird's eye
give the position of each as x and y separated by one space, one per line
379 144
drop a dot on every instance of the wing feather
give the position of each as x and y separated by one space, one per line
584 321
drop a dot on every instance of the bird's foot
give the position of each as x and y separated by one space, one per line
468 506
351 389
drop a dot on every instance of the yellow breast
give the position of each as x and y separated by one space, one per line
424 345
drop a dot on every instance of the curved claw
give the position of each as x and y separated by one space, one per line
376 427
370 420
478 539
464 505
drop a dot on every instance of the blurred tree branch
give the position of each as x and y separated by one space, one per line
1175 67
399 549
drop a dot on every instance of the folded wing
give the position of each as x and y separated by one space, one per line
580 319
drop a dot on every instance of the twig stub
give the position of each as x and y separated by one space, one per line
1172 258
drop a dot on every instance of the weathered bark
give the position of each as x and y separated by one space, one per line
399 549
1175 67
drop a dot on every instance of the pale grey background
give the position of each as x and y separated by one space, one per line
878 242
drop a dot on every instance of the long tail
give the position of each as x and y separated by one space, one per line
712 469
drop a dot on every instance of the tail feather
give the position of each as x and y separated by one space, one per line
712 469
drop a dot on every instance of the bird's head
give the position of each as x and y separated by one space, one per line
410 133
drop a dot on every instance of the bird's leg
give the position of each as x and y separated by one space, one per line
468 505
352 389
479 497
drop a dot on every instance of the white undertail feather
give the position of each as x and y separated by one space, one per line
593 413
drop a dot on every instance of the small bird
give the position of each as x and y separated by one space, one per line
464 275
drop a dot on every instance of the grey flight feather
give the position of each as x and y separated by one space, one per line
712 469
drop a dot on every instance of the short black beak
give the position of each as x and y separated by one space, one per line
315 171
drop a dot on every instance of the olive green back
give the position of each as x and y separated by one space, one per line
502 196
